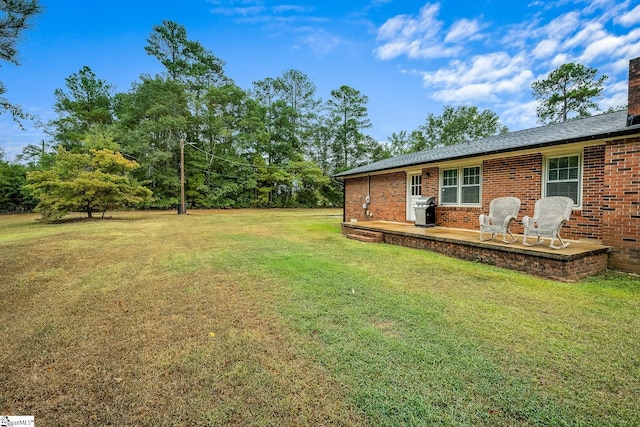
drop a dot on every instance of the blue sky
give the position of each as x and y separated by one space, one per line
409 57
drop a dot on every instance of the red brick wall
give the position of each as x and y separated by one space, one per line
519 176
430 182
558 268
587 223
634 87
388 197
457 217
621 203
355 191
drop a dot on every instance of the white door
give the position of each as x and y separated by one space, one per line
414 192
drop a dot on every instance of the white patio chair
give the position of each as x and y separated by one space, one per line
549 215
502 211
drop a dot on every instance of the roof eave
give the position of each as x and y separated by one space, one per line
607 135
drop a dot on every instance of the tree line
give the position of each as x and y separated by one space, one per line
276 144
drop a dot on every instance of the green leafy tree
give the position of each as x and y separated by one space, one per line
374 150
290 110
15 17
348 117
85 182
37 156
404 142
225 108
186 61
309 184
568 92
220 173
152 118
455 126
278 143
274 186
299 93
319 147
197 71
320 151
87 102
12 179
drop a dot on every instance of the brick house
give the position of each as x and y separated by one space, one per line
595 161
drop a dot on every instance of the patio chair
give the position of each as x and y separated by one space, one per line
502 211
549 215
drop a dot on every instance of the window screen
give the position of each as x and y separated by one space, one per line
449 186
471 185
563 177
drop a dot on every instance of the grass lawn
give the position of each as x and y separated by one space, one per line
272 317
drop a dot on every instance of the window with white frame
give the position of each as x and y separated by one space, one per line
416 185
449 191
470 189
465 191
563 177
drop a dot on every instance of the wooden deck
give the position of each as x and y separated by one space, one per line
580 259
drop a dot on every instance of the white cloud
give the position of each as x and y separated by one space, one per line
522 35
621 65
548 5
468 93
319 41
486 77
284 8
601 47
239 11
610 46
593 6
516 36
559 59
499 72
407 35
463 30
282 20
255 9
591 32
616 96
515 82
630 18
421 37
545 48
519 115
563 25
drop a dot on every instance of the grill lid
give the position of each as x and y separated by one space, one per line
423 201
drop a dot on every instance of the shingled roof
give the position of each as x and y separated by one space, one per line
590 128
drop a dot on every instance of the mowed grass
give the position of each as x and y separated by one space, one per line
272 317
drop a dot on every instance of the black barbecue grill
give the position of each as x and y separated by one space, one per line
425 208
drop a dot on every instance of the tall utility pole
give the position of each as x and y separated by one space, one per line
181 208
